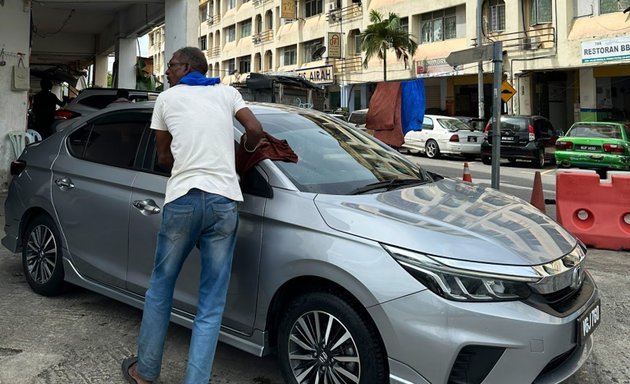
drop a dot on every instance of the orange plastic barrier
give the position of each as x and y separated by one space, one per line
595 211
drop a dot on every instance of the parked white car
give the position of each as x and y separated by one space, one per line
444 135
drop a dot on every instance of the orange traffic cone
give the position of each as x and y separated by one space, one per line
538 197
467 177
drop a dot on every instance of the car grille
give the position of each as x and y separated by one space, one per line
565 301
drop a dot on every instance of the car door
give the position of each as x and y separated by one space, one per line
148 191
91 192
426 132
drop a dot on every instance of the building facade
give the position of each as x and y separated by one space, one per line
568 60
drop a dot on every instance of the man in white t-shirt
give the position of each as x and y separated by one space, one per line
195 140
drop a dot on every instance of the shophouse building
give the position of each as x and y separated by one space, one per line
568 60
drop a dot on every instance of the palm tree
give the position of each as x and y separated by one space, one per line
385 34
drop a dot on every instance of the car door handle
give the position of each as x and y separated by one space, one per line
147 207
64 183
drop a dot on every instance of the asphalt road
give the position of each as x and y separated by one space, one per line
81 337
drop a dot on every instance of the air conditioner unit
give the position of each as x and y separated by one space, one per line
531 42
332 6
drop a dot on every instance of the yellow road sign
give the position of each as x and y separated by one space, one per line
507 91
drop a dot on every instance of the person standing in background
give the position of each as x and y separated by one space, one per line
44 105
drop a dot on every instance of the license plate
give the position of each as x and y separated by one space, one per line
507 138
588 322
588 147
472 139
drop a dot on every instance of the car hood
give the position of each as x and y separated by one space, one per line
451 219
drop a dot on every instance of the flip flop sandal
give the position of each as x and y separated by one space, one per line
126 364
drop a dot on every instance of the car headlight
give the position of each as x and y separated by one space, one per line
476 282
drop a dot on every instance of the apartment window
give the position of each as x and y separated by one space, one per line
246 28
496 16
289 55
203 43
540 12
439 25
404 23
357 44
203 12
313 7
310 47
245 64
609 6
231 4
230 34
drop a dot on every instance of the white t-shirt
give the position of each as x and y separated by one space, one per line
200 120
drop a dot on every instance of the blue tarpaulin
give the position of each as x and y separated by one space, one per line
413 105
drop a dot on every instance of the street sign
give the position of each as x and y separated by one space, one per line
507 91
470 55
334 45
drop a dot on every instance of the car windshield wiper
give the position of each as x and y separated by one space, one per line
388 185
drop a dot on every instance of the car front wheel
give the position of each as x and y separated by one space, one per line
41 257
323 338
432 149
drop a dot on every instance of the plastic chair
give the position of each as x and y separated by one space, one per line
33 136
18 141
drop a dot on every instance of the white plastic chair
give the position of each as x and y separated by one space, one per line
18 141
33 136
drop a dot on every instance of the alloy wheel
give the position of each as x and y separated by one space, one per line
322 350
41 254
432 149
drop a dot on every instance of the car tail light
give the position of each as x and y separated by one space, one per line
454 139
564 145
17 167
614 148
530 130
486 130
64 114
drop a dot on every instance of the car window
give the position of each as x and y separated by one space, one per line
111 140
427 123
453 124
97 101
513 124
334 158
595 130
543 127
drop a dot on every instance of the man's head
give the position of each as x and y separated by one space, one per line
45 84
122 93
184 61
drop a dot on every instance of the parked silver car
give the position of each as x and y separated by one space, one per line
353 264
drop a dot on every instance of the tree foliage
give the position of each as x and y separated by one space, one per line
383 35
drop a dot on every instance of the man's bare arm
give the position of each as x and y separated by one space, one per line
163 145
253 128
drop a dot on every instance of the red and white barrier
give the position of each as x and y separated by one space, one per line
595 211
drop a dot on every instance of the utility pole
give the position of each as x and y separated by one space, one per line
481 108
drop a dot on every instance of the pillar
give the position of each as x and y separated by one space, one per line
588 92
345 96
181 22
100 71
15 31
126 57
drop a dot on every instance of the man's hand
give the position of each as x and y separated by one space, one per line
253 128
163 145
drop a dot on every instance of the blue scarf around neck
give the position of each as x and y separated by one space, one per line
196 78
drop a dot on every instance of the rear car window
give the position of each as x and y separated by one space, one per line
513 124
111 140
453 124
98 101
596 131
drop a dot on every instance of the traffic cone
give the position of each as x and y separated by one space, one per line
467 177
538 197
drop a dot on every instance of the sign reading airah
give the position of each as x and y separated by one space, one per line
318 75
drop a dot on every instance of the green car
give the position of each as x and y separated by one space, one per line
595 145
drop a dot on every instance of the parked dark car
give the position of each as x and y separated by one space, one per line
353 265
531 138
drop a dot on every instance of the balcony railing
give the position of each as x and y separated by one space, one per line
214 19
536 38
351 12
263 37
350 64
258 3
213 52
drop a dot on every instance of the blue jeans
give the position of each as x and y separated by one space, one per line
209 221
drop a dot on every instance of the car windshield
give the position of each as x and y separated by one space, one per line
595 130
453 124
335 158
